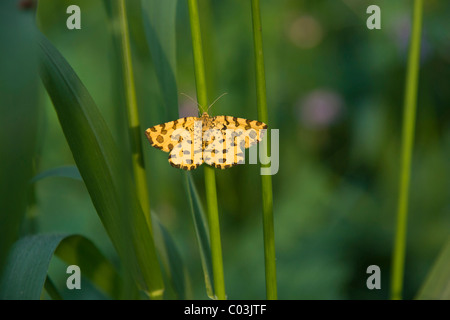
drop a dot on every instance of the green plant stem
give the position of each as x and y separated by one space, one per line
210 178
409 116
266 180
133 114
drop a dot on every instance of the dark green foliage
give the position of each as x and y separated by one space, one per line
335 91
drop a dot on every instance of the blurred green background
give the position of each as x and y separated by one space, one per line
335 92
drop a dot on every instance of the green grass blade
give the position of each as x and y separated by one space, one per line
134 127
160 27
199 63
19 115
437 284
63 171
27 265
210 178
266 180
170 256
159 24
51 289
167 249
409 119
104 171
201 231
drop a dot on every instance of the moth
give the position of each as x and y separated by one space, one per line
217 141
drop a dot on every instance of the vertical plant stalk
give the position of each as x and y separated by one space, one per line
266 180
210 177
409 117
133 114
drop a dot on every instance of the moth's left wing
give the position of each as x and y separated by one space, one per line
160 136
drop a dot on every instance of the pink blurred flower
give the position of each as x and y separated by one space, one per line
305 31
401 37
320 109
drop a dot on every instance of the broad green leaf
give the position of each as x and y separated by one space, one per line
160 27
18 114
171 259
64 171
437 283
105 172
201 230
27 266
28 262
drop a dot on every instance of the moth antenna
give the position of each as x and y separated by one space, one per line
198 104
216 100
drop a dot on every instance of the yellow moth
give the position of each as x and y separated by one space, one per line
218 141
